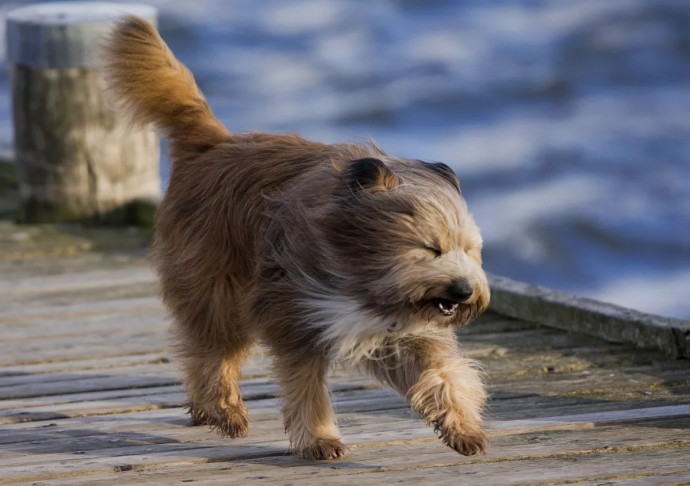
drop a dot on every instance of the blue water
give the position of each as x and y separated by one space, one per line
568 121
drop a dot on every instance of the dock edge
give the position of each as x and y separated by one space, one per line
579 314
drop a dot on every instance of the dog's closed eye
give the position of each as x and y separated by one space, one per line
434 250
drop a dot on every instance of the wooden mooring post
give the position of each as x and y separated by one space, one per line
77 160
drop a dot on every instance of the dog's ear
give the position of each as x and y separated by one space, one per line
444 171
370 173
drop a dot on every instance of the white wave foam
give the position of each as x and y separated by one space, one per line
667 294
510 214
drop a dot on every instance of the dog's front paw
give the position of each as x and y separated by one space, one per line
467 444
465 440
322 449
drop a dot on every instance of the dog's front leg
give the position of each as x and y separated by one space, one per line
445 388
308 414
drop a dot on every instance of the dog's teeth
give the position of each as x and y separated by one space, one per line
447 308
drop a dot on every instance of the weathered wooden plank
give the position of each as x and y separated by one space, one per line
45 334
138 341
77 365
87 383
89 307
49 250
210 473
541 471
86 295
257 363
213 472
32 288
679 478
535 406
492 323
637 414
54 380
91 403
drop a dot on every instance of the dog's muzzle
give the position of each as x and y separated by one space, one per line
459 292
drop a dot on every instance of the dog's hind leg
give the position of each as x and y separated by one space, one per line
212 377
445 388
309 418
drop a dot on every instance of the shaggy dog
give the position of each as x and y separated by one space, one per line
323 253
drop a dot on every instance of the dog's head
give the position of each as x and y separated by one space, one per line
409 246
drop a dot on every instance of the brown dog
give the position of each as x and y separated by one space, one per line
320 252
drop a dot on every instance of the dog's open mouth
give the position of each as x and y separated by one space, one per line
445 307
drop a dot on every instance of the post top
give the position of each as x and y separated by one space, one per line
65 34
66 13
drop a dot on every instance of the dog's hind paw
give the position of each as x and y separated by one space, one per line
198 416
231 423
234 426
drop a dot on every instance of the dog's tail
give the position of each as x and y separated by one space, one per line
154 87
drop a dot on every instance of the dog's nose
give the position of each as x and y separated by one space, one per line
460 291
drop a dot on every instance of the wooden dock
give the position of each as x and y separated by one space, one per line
90 394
